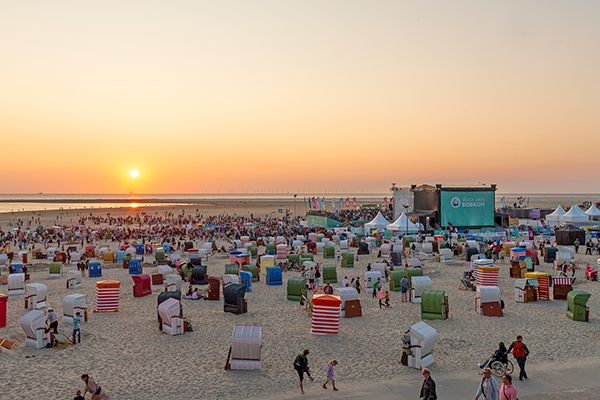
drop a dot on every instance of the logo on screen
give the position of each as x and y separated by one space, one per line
455 202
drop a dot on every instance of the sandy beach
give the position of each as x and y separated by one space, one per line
132 359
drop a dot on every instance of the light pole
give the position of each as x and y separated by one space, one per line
405 205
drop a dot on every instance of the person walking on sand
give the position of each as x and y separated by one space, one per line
52 320
317 277
576 243
76 328
331 375
92 387
507 390
380 297
386 298
376 287
428 391
301 367
520 352
488 387
357 284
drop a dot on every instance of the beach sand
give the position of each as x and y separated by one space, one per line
132 359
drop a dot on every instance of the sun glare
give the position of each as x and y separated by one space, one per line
133 205
134 173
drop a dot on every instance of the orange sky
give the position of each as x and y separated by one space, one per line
298 96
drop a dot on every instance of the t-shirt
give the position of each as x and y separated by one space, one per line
404 284
76 321
51 316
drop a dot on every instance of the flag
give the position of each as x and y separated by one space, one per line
354 202
341 203
347 202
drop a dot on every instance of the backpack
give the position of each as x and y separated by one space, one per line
519 350
298 363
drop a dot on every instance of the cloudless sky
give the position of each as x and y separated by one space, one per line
298 96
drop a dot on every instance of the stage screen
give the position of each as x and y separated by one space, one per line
467 208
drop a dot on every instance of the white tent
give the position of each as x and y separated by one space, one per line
555 217
378 223
575 215
593 211
403 224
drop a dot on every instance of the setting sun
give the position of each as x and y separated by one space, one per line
133 205
134 173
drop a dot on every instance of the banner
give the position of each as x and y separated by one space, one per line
467 208
534 213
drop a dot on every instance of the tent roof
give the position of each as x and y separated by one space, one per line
558 212
402 224
575 211
379 220
569 228
593 211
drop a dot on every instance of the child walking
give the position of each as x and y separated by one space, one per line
331 375
387 299
380 297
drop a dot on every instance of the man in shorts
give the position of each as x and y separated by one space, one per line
301 366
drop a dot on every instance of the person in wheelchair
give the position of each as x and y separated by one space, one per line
501 354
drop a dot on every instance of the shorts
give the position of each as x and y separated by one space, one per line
300 374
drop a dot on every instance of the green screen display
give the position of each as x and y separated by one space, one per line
467 208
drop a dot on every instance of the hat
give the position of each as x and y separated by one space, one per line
50 309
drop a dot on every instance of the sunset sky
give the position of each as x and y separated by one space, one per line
298 96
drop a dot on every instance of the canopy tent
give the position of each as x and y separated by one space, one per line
554 217
403 224
575 215
566 235
379 223
593 212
